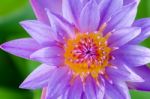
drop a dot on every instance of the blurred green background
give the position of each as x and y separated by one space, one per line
13 70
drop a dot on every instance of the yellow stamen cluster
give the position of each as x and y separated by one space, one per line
87 54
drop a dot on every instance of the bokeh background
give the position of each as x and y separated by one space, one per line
13 70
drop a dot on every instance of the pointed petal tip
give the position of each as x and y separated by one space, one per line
38 78
26 22
20 47
24 86
32 56
21 22
1 46
49 14
21 87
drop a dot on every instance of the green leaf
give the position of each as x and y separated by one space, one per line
9 8
9 75
143 9
146 43
140 95
7 93
37 94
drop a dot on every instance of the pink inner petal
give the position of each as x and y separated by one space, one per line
43 96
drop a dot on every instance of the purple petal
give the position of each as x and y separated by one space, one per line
116 74
145 22
76 89
83 96
133 55
89 17
145 25
38 78
111 92
41 32
62 26
71 10
123 36
125 2
49 55
92 91
121 18
98 1
48 52
58 83
133 75
90 88
121 72
119 90
21 47
65 95
101 89
108 8
123 88
144 72
40 5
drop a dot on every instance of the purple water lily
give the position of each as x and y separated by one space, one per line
89 49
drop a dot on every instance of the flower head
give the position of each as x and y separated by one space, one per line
89 49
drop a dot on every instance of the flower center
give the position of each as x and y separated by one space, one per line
87 54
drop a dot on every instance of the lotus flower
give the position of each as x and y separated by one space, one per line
89 49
